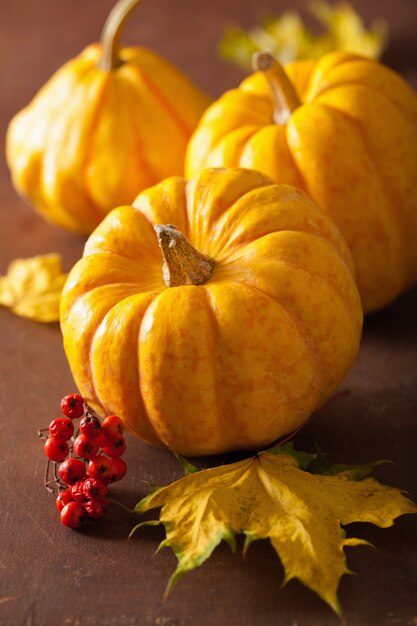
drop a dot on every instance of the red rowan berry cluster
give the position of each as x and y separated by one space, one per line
84 460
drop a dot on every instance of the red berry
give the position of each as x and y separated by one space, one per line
85 448
63 498
61 428
94 488
90 426
73 515
71 470
117 470
116 448
56 450
102 441
77 491
96 507
99 467
72 406
113 427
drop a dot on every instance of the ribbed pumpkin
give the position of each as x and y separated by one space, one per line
231 331
343 129
109 123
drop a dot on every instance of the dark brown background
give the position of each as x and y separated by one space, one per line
51 575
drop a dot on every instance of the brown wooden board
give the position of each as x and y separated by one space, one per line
50 575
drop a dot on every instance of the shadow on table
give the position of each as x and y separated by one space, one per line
396 322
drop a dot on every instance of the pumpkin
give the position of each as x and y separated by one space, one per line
343 129
109 123
214 314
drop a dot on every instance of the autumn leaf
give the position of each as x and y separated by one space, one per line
320 465
32 287
287 38
270 496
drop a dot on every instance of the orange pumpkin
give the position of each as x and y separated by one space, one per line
231 331
343 129
109 123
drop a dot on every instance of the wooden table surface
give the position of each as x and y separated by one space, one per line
95 577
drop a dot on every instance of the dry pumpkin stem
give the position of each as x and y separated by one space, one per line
110 36
283 93
183 264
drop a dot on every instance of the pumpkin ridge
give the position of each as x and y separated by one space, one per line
91 368
380 92
76 299
122 255
303 186
151 223
190 189
89 291
340 253
390 212
99 105
82 377
308 341
166 105
138 140
89 361
93 205
216 333
145 415
344 58
155 424
187 229
314 385
319 278
46 143
228 137
132 261
232 94
164 427
223 215
399 225
245 429
262 182
309 233
226 134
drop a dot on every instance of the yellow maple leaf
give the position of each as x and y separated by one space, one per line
346 31
32 287
270 496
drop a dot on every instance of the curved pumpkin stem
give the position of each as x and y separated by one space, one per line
110 36
283 93
183 265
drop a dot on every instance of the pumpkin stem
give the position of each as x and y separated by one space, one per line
283 93
183 265
110 36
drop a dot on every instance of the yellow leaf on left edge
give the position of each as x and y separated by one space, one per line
32 287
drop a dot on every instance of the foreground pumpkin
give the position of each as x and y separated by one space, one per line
231 331
344 129
109 123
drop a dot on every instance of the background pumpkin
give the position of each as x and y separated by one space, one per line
254 332
109 123
343 129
